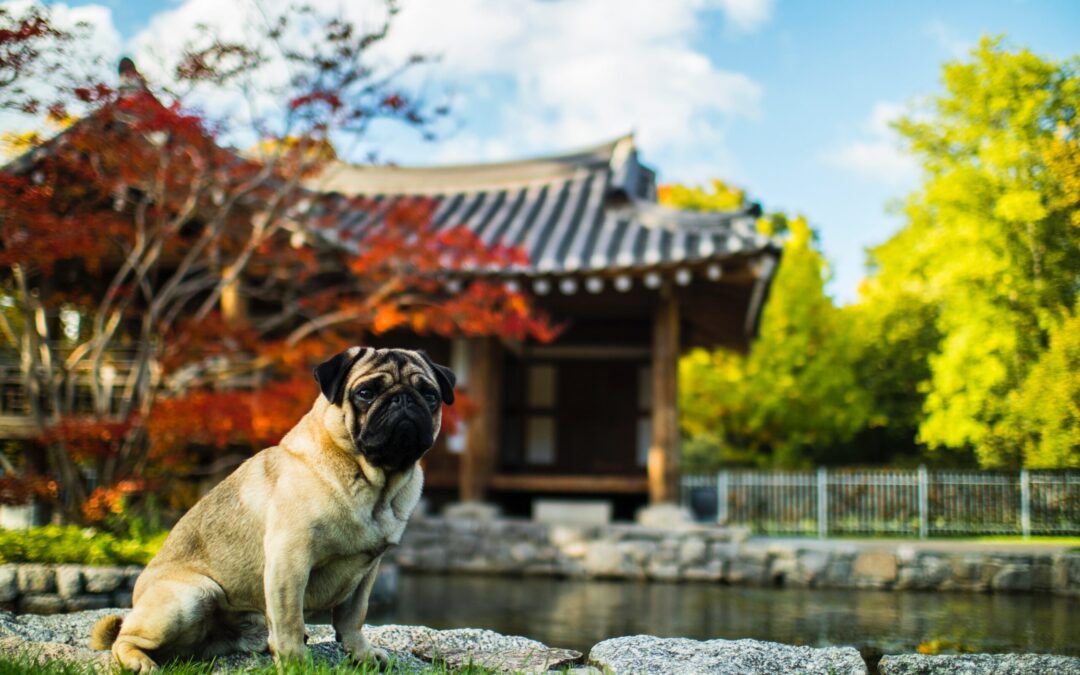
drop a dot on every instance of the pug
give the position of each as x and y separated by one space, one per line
299 528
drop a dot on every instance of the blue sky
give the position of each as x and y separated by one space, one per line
789 99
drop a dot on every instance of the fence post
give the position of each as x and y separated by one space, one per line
1025 503
722 498
822 502
924 502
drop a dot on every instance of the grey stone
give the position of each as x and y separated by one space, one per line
1065 572
121 599
648 655
478 511
563 535
62 636
522 552
1012 578
464 646
41 603
41 653
723 551
837 572
785 569
748 571
875 568
604 559
1041 576
692 551
811 567
712 571
92 601
103 579
979 664
21 627
665 516
637 552
35 578
69 580
9 583
663 571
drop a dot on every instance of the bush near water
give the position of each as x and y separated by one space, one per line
77 545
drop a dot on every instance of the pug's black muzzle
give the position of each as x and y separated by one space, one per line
398 431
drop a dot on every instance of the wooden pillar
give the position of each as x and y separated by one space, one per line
482 430
664 451
234 305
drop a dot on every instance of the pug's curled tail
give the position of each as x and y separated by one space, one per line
105 632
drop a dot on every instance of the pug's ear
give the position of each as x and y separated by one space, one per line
331 374
444 376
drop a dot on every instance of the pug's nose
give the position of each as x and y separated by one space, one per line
401 400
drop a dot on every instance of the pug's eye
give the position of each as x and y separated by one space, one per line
366 394
432 399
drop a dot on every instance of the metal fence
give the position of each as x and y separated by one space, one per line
915 503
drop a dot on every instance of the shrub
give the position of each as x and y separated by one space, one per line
70 544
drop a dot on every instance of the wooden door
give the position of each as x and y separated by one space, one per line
597 417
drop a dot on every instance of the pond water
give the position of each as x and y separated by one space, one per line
578 614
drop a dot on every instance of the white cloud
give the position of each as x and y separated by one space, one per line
948 41
747 15
877 155
563 73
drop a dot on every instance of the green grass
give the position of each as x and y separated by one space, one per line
76 545
1013 539
28 665
989 539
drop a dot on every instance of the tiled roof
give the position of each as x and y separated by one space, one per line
586 212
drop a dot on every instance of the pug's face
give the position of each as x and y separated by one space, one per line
389 402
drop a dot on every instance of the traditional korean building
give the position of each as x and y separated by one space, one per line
594 413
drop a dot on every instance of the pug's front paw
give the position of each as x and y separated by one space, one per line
361 650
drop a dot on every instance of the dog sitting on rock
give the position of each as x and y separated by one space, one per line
298 528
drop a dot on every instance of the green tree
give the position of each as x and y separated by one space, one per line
1044 414
722 197
989 255
795 395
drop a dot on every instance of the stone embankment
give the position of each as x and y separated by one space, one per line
719 555
33 588
64 637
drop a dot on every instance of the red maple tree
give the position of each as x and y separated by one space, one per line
166 295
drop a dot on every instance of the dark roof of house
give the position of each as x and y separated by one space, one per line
591 211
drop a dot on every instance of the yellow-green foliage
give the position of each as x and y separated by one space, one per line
70 544
1044 419
989 245
795 390
723 197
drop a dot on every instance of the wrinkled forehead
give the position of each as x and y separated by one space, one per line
390 366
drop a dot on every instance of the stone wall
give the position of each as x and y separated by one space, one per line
710 554
27 588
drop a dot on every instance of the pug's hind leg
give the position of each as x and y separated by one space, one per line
348 619
171 616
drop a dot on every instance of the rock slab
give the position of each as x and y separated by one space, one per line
64 637
648 655
979 664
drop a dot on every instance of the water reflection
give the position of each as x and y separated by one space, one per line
578 614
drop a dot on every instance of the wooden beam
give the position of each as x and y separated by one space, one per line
564 483
482 431
664 450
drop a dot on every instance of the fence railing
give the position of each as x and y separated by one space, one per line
915 503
